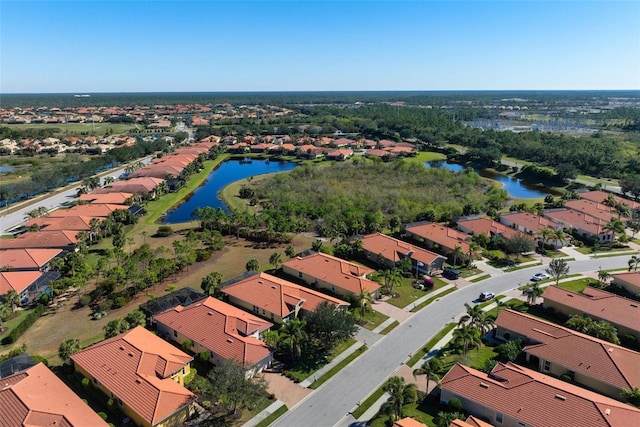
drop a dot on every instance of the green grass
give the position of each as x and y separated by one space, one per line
607 181
480 278
424 412
578 285
551 280
426 156
366 404
429 345
621 253
407 294
11 324
334 370
508 270
302 373
491 301
514 304
432 299
476 358
98 129
467 272
372 319
272 417
605 250
389 328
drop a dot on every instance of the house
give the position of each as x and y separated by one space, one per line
92 210
273 298
629 280
602 197
583 224
324 271
37 397
408 422
70 223
438 236
27 259
114 198
594 209
486 226
61 239
590 362
143 185
531 224
23 282
387 251
512 396
622 312
342 154
471 421
222 330
143 374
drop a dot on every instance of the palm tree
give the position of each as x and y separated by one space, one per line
431 368
363 303
294 331
392 277
252 265
634 262
94 228
473 247
67 348
5 312
275 259
316 245
631 395
456 252
12 299
614 226
400 394
547 234
473 312
468 336
533 292
210 282
560 237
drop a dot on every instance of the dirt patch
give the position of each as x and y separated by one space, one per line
284 389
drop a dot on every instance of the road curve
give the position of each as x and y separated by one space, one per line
340 395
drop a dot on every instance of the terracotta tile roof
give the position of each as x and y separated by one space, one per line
487 227
92 210
578 352
27 259
576 219
394 250
277 295
530 221
444 236
600 196
17 280
41 239
594 209
631 277
133 185
222 328
408 422
78 223
375 152
343 274
470 422
136 367
36 397
598 304
111 198
510 389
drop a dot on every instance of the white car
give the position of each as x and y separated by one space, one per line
540 276
486 296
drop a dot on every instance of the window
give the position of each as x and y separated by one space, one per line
256 309
547 365
499 416
175 333
571 374
299 274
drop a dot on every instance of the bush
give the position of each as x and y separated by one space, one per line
102 415
39 359
455 404
85 382
22 327
204 356
202 255
164 231
84 300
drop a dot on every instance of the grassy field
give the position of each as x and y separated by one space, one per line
578 285
372 319
426 156
65 129
406 294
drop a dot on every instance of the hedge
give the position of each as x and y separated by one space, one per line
22 327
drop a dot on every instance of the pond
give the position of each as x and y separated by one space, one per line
228 172
515 187
7 168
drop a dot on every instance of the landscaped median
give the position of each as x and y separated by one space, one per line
425 303
335 369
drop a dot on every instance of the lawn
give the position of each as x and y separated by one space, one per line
389 328
427 156
578 285
372 319
603 249
424 412
476 358
11 324
335 369
406 294
480 278
429 345
271 418
301 373
432 299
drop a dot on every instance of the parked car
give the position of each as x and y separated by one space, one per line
540 276
451 273
486 296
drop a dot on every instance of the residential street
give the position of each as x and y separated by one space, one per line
332 403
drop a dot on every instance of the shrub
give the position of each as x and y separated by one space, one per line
22 327
39 359
204 356
85 382
455 404
566 378
102 415
202 255
164 231
84 300
170 288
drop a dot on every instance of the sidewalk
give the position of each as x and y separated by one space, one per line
429 295
339 358
264 414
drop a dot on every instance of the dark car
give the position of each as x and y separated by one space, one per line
451 273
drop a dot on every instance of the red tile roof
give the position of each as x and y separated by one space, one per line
36 397
27 259
277 295
598 304
470 422
136 367
78 223
536 399
222 328
134 185
594 209
343 274
17 280
444 236
41 239
598 359
394 250
576 219
530 221
599 196
112 198
487 227
92 210
631 277
408 422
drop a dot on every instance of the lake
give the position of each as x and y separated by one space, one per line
228 172
515 187
7 168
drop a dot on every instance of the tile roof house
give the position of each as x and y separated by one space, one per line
331 273
529 223
21 282
489 228
142 185
622 312
143 373
600 196
514 396
583 224
594 209
37 397
629 280
471 421
273 298
226 332
111 198
387 250
408 422
435 234
27 259
71 223
92 210
62 239
593 363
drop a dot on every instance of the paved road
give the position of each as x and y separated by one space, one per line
331 403
9 221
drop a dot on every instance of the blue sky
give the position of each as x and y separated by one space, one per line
138 46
